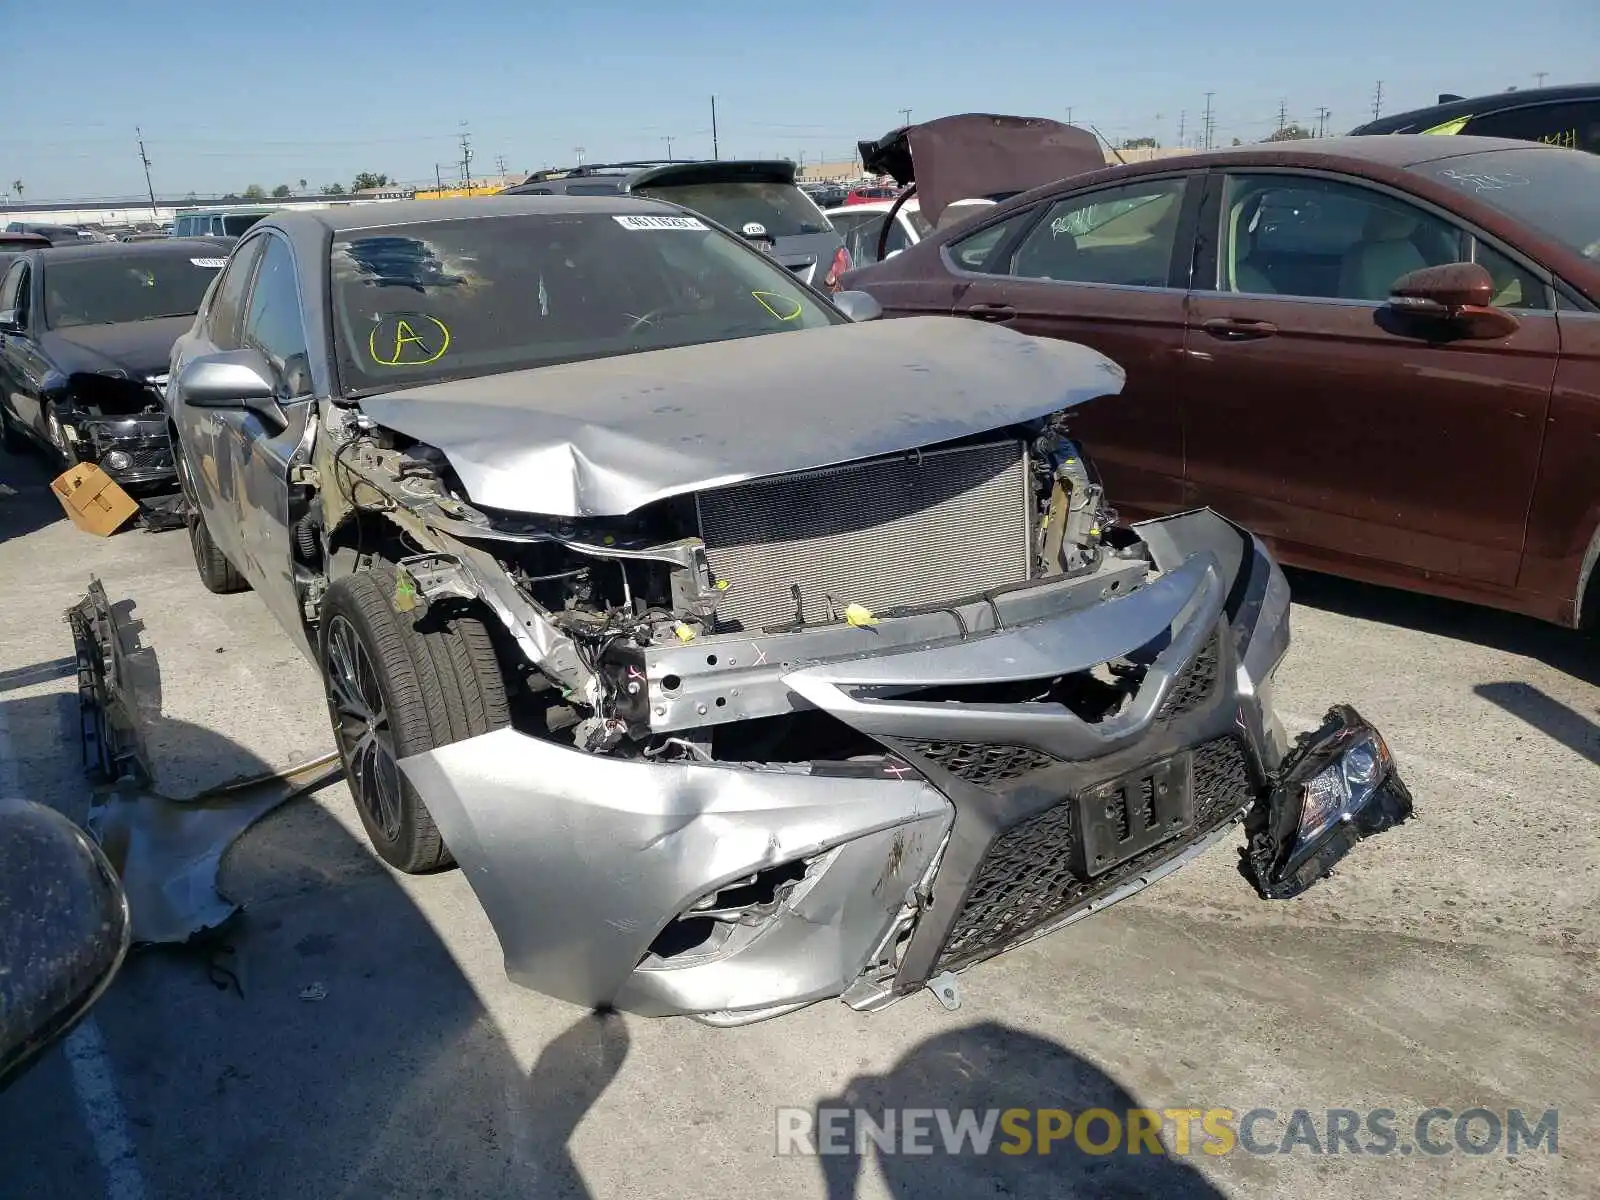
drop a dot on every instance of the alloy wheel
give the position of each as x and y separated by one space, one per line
361 725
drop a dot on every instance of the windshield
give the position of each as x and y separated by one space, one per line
112 289
234 225
782 209
453 299
1549 190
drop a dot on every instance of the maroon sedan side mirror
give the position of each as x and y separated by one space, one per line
1457 295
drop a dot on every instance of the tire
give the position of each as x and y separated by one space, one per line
216 572
435 681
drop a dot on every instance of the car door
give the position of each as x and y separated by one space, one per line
19 360
256 454
205 434
1109 268
1355 442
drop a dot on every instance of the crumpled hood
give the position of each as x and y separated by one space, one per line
140 348
606 436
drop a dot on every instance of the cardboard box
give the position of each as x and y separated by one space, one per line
93 500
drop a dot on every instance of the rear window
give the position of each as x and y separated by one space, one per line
116 289
236 224
782 209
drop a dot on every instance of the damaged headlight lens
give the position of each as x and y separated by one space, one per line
1343 786
116 460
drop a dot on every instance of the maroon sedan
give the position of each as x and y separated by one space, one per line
1306 355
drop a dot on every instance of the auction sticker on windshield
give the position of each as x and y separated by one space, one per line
216 264
643 222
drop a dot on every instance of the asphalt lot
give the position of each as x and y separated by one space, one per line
1455 962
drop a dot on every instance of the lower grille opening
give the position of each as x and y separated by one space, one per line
1029 877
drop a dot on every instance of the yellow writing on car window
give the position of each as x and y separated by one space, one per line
782 308
408 340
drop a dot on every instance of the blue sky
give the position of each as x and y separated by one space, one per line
230 94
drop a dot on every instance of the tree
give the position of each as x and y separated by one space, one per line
280 191
255 192
368 180
302 187
190 197
1139 143
16 186
1237 142
333 189
1292 132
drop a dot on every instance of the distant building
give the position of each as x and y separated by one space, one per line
392 192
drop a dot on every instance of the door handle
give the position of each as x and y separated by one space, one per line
991 312
1238 329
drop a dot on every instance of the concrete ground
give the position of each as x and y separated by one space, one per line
373 1048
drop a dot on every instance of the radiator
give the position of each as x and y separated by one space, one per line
913 529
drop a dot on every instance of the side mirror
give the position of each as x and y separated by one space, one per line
9 322
238 379
1459 297
64 930
858 306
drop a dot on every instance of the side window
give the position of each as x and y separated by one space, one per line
1513 287
223 318
272 324
1301 236
1575 125
972 252
1122 236
14 293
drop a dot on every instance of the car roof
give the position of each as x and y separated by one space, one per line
1449 110
162 248
346 218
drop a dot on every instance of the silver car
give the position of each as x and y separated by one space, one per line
744 651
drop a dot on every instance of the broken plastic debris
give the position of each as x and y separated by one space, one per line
685 634
723 585
405 591
859 615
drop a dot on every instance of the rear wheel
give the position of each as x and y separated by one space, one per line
397 686
216 572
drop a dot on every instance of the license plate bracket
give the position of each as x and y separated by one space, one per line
1128 815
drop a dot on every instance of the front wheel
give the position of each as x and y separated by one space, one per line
216 572
397 686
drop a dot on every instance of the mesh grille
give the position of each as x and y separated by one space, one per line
983 764
1028 877
911 530
155 457
1194 684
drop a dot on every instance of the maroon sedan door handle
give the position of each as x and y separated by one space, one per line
1236 329
991 312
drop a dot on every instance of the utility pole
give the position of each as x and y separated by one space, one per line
145 160
715 150
906 113
1207 125
578 150
668 141
1183 125
438 178
1539 77
1323 113
1377 101
1283 113
466 158
500 164
1069 114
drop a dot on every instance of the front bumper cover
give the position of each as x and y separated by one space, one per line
964 839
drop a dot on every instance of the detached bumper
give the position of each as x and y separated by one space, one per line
737 891
132 450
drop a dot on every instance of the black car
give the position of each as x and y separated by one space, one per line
755 198
1560 116
85 336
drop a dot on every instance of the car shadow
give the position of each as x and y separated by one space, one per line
324 1043
1554 719
1566 650
993 1067
26 501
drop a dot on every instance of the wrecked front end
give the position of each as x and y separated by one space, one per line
848 731
117 422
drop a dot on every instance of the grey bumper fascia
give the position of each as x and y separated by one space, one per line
582 860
